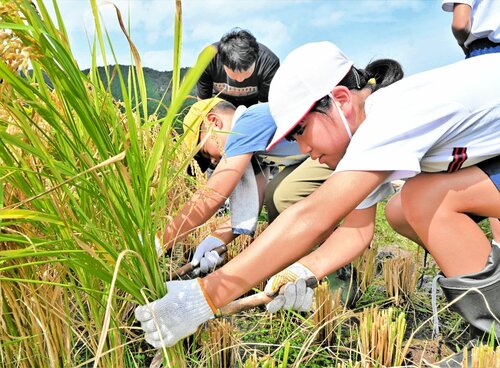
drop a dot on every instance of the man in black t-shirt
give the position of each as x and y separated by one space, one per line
240 72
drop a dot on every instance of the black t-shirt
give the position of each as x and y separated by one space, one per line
249 92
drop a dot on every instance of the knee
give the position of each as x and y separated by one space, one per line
421 198
396 218
394 213
275 200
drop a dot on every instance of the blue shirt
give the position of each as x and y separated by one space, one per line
251 133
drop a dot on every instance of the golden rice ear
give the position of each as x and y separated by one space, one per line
13 51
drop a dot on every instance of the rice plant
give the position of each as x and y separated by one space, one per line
482 356
365 267
220 344
400 277
83 176
381 334
327 312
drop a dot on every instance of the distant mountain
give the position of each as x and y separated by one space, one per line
157 85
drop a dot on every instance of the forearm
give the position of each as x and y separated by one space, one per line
205 202
341 248
200 208
292 235
461 36
272 251
345 244
461 24
225 232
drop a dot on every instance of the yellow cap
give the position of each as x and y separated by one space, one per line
194 118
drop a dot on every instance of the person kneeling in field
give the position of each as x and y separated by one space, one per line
437 129
235 141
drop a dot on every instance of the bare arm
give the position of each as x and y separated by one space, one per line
292 234
345 244
461 24
205 202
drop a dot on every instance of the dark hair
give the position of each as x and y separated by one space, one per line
238 49
377 74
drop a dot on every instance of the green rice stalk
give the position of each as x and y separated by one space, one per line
77 190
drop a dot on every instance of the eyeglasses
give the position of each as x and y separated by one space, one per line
297 130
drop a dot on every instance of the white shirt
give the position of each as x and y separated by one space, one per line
441 120
485 18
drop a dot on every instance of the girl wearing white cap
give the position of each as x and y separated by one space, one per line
438 129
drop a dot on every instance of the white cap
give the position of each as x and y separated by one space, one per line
307 74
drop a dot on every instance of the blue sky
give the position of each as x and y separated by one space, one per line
417 33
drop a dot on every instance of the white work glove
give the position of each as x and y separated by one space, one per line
297 295
175 316
158 247
206 256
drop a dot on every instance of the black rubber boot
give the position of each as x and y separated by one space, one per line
472 307
455 361
347 279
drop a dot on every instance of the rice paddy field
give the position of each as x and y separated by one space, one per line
85 177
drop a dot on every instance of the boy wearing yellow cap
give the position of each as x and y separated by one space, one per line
234 141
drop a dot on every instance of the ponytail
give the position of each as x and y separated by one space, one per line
377 74
385 72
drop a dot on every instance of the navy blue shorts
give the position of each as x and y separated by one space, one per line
491 168
482 46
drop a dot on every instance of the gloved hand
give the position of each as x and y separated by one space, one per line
175 316
297 295
206 256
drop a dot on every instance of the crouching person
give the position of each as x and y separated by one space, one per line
434 129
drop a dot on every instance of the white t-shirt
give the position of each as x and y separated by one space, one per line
252 131
485 20
441 120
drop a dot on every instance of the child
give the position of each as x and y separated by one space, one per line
475 25
438 129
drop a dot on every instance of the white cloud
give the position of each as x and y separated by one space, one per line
408 29
273 34
159 59
327 19
205 31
